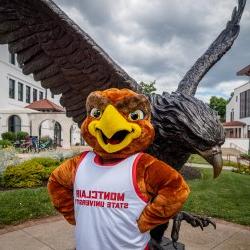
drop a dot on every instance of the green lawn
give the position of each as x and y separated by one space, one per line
197 159
227 197
19 205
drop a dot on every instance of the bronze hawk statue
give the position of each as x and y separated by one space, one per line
68 61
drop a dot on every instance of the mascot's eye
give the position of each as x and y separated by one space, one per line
96 113
136 115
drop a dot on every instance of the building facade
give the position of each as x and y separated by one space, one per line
17 92
237 125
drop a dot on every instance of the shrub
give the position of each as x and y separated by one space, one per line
45 139
48 171
46 162
5 143
242 169
21 135
31 173
9 136
245 156
26 174
12 137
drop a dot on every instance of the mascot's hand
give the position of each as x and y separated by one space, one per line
141 227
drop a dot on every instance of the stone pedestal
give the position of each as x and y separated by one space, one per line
168 245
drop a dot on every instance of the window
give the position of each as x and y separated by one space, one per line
11 88
248 131
40 95
27 94
52 95
245 104
20 92
12 59
236 98
232 115
14 123
57 134
34 95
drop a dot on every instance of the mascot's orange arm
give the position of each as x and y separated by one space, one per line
60 188
164 186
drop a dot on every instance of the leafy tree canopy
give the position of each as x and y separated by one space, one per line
219 104
148 88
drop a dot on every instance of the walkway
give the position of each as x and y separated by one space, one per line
198 165
55 233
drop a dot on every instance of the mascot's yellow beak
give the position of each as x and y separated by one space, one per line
112 131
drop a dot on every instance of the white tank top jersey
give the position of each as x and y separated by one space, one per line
107 205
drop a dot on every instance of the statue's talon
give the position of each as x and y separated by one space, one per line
194 220
206 221
197 220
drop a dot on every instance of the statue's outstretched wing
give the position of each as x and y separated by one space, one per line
217 49
58 53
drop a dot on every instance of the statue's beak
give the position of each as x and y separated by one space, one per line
214 157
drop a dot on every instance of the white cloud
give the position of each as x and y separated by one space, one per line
160 40
222 89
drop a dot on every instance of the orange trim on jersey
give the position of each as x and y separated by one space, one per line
137 190
78 164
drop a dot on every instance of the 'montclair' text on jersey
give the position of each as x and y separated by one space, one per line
95 198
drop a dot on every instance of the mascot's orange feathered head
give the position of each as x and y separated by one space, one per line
117 123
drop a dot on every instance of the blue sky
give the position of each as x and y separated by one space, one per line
161 39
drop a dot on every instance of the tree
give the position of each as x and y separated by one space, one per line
219 104
148 88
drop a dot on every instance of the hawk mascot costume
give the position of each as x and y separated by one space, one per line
116 193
